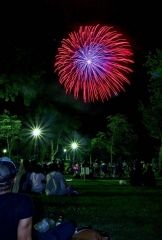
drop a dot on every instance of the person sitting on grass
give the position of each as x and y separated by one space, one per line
56 183
66 230
37 179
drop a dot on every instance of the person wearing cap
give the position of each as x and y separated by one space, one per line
16 209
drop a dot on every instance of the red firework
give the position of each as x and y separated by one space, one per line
93 63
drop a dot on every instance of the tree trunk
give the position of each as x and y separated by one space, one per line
111 151
53 152
160 161
8 148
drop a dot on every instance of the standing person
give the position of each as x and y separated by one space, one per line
16 209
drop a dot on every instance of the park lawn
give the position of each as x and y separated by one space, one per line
124 211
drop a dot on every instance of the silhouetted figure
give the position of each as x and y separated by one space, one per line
136 174
149 177
25 183
16 209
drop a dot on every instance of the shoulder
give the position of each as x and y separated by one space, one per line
21 204
23 199
25 205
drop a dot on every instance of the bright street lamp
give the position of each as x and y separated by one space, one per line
4 150
36 133
74 146
65 151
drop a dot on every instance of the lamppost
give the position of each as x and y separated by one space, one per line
4 151
36 133
74 147
65 151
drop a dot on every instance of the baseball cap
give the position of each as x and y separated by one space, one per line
7 170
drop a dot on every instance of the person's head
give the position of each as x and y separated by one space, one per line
7 174
52 167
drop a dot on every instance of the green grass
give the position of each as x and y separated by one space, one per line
124 211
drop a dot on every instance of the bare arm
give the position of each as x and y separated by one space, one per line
24 231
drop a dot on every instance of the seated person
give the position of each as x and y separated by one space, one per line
56 183
63 231
37 179
68 230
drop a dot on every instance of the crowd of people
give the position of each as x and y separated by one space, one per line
17 208
102 169
48 179
137 172
17 211
142 174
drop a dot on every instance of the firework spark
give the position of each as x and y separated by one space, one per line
94 62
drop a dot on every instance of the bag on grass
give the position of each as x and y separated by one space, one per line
90 234
63 231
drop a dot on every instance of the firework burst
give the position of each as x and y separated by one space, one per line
94 62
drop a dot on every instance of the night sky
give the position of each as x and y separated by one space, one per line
37 27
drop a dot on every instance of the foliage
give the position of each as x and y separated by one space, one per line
62 128
20 85
123 138
10 127
118 140
8 89
154 64
100 146
152 112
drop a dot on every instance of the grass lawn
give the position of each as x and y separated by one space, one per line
124 211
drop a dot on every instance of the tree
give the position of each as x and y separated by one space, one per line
8 89
22 85
62 128
122 138
10 127
152 110
119 138
99 145
55 128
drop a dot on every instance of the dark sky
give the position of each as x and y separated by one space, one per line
39 26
